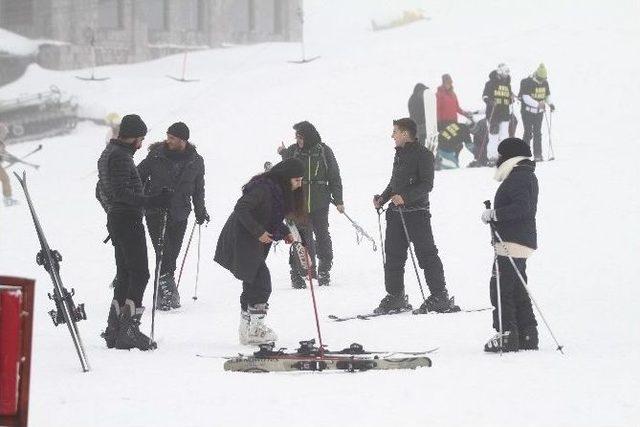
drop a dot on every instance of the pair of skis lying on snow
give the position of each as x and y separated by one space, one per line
368 316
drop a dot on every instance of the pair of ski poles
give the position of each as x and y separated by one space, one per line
159 267
498 238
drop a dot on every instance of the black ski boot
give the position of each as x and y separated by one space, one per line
439 303
324 275
129 335
392 303
297 281
163 302
173 295
111 332
529 338
510 342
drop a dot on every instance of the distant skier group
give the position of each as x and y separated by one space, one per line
481 136
290 201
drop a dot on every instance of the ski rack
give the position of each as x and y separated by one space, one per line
66 310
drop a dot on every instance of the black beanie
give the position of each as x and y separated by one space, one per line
290 168
132 126
179 130
512 147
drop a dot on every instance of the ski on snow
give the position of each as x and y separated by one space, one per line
367 316
311 358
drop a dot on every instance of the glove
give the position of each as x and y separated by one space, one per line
161 200
552 107
488 216
377 201
201 218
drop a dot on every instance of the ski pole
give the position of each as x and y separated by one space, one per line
195 289
548 120
413 259
360 232
13 162
156 283
524 283
380 211
186 252
496 268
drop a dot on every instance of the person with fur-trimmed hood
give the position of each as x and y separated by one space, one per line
174 164
246 238
322 186
498 98
514 218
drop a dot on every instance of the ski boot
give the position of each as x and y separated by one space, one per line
163 302
9 201
510 342
297 281
529 338
259 333
440 303
129 335
391 303
243 329
111 331
174 296
324 275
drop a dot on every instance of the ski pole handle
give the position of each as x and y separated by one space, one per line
487 204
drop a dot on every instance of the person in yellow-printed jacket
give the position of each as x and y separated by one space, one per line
322 186
534 96
498 98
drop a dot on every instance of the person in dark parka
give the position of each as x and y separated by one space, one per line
175 164
244 243
322 186
416 111
408 191
119 191
514 218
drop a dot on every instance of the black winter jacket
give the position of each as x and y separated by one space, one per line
416 104
321 181
516 203
497 95
238 249
183 172
412 175
119 188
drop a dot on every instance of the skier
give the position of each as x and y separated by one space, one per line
514 218
447 106
245 240
4 177
451 140
408 190
534 94
498 97
175 164
322 186
119 190
416 111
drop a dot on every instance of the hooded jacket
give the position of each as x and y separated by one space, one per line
447 105
497 96
416 104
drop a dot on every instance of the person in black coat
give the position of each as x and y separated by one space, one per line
408 191
119 191
498 97
416 111
244 243
174 164
534 95
514 218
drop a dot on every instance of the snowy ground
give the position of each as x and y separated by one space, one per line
584 275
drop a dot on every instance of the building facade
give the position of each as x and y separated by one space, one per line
87 32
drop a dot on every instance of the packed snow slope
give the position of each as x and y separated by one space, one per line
584 275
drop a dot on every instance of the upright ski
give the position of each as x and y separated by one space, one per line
66 310
311 358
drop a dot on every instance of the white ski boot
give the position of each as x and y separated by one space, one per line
9 201
259 333
243 329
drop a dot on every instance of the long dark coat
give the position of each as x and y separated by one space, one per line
238 249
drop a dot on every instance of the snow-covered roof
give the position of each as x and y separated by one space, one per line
15 44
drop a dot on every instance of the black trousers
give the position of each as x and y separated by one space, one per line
517 313
533 128
174 235
259 290
321 246
396 246
130 245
